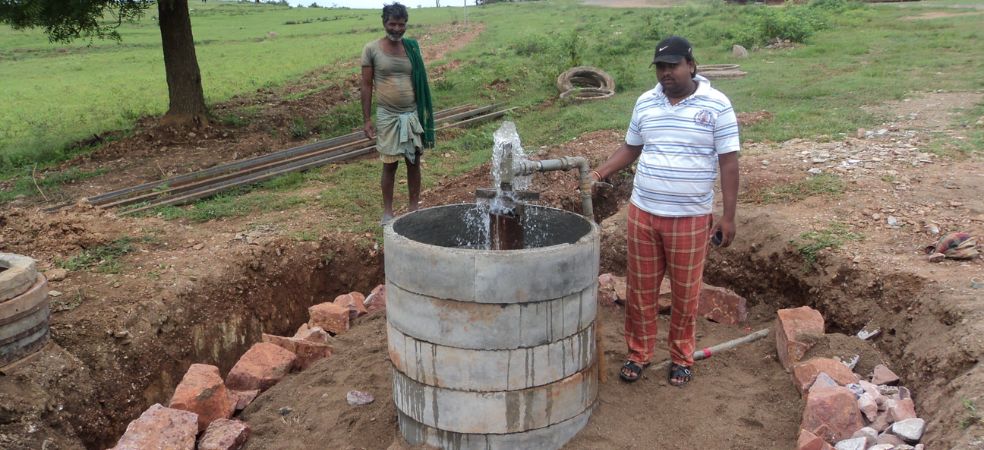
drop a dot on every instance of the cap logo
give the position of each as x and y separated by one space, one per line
664 48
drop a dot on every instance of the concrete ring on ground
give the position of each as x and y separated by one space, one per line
719 71
553 436
424 259
17 274
490 370
479 325
585 77
472 412
24 322
579 94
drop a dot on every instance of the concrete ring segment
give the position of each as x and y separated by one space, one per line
485 326
491 276
18 275
490 370
547 438
24 322
496 412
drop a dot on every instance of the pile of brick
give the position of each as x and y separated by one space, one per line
201 411
716 304
843 410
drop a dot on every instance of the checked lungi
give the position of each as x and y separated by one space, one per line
657 246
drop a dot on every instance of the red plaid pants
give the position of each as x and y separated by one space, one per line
657 245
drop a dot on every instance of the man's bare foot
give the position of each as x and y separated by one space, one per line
386 218
413 207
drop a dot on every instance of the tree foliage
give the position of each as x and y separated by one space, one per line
66 20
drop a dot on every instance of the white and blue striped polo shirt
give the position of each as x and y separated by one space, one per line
681 143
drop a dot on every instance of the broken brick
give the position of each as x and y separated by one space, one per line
376 300
883 375
805 373
722 305
606 290
315 334
354 301
225 434
832 413
899 410
330 317
810 441
307 351
797 330
867 405
160 427
261 367
243 398
202 392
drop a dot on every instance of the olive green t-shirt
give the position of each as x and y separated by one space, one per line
391 78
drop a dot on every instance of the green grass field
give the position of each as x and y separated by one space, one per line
850 55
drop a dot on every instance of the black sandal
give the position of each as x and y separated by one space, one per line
680 373
631 371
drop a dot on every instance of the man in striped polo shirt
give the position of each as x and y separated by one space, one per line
681 132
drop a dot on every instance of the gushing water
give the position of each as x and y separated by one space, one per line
486 221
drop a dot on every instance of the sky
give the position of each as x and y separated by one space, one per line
378 4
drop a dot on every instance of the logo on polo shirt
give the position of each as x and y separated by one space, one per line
704 118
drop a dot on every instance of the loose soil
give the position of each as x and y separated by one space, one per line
203 293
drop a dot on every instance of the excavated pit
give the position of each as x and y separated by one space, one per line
218 318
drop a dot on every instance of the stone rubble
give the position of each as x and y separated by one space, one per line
204 403
225 434
844 411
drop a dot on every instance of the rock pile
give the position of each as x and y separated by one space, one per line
203 405
844 411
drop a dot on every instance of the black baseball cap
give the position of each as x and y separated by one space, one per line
673 50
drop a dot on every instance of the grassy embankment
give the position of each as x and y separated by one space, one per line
851 55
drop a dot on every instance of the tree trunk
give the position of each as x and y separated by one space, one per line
184 79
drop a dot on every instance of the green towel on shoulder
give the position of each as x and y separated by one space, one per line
421 89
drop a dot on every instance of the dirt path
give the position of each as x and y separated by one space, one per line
203 293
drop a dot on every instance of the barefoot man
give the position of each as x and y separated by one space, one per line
393 68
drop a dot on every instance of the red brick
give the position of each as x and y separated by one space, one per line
307 351
883 375
796 331
805 373
243 398
376 300
160 427
262 366
224 434
810 441
330 317
832 414
721 305
354 301
202 392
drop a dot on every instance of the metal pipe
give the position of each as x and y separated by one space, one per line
707 352
566 163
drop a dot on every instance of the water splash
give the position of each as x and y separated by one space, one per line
506 141
478 221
